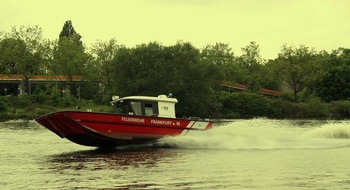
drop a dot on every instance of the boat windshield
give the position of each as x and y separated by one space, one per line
122 107
136 106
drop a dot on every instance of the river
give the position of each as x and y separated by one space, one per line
243 154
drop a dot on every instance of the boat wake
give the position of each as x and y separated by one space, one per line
266 134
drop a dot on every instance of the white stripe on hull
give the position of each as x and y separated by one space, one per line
196 125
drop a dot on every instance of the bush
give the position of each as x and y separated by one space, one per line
19 101
340 109
68 102
289 97
53 100
40 99
3 105
244 105
4 116
3 109
249 105
316 108
283 109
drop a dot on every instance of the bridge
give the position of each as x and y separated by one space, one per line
37 78
19 79
233 86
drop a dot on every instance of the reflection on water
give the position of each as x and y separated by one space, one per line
111 159
20 125
134 168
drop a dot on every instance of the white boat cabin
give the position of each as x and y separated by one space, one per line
161 106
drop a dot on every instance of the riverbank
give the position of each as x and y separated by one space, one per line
247 105
28 108
232 106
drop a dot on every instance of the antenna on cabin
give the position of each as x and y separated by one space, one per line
170 95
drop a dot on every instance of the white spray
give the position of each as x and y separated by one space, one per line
266 134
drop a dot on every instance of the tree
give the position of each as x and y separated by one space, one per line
297 67
68 30
218 54
24 52
103 54
335 83
251 63
220 57
69 57
272 75
70 60
135 70
13 54
1 35
152 69
192 81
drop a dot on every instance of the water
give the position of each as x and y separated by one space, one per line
244 154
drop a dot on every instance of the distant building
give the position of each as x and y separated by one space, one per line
13 84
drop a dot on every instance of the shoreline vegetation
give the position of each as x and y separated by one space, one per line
32 107
236 105
311 84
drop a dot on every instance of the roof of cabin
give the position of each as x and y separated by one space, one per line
160 98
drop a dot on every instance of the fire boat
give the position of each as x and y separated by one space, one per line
135 120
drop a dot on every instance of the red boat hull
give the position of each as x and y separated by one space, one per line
110 130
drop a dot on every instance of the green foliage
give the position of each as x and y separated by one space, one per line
52 100
271 77
68 30
23 52
16 102
316 108
70 58
3 105
40 99
341 109
282 109
13 53
335 84
103 54
152 69
192 75
218 54
251 63
245 105
31 35
297 67
250 105
4 109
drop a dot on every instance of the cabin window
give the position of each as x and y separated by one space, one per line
136 106
122 107
149 109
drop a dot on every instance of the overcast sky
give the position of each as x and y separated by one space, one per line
322 24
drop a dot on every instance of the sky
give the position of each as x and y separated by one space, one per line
319 24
